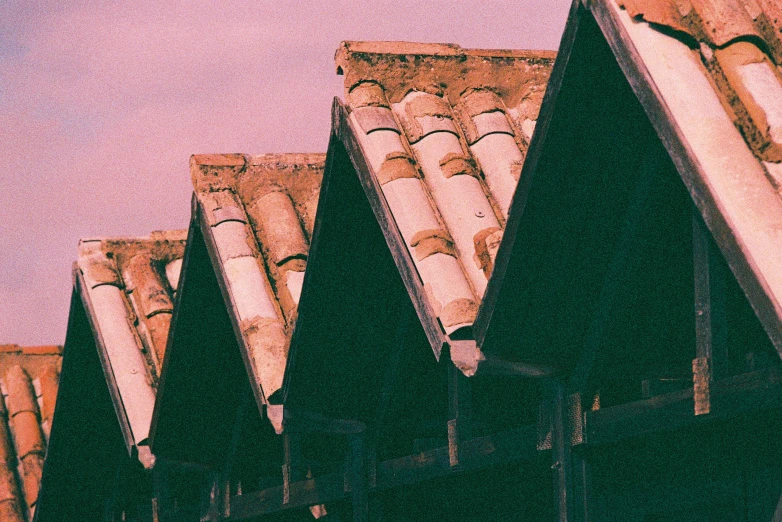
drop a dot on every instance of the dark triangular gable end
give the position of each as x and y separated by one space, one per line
597 267
87 455
359 338
204 391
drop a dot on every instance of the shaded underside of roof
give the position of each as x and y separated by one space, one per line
127 287
443 132
28 379
257 216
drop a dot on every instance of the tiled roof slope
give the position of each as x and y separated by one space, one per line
28 378
260 212
445 131
740 44
129 285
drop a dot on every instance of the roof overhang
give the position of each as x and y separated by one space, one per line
135 427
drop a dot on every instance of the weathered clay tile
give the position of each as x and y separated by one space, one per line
12 506
740 46
49 380
260 211
444 131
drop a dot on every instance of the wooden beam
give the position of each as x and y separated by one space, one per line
357 474
753 392
571 470
560 442
292 468
515 445
739 394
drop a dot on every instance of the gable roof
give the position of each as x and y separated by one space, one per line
29 378
127 286
444 131
706 74
248 247
734 139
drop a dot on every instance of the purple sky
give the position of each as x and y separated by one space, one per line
102 104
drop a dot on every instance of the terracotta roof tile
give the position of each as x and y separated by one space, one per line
445 131
741 47
130 302
24 424
260 211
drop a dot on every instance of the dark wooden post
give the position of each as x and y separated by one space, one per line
210 507
459 411
711 349
571 469
292 470
357 472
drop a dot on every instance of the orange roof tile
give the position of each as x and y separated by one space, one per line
741 47
28 379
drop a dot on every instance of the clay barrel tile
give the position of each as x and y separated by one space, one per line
11 508
144 280
23 412
768 19
98 269
280 227
151 297
24 419
724 21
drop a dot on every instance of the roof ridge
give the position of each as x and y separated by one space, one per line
443 69
392 47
